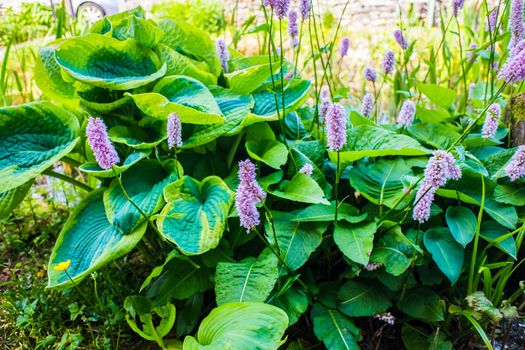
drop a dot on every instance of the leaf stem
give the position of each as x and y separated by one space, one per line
63 177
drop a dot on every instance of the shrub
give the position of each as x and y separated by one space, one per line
207 15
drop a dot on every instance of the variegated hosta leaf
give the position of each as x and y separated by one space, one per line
233 106
48 75
247 80
195 216
92 168
187 97
99 99
88 241
178 64
109 63
190 41
240 326
33 137
11 199
144 183
145 32
137 137
105 25
265 106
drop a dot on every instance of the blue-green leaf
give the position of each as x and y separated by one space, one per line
88 241
462 223
446 252
144 183
106 62
187 97
33 137
195 216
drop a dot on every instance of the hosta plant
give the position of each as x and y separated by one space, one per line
262 215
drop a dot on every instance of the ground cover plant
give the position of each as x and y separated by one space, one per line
271 210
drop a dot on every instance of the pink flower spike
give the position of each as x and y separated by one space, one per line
336 127
307 169
174 129
516 167
367 107
491 121
423 202
98 139
223 54
249 194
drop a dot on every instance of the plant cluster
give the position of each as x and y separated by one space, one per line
31 21
207 15
265 214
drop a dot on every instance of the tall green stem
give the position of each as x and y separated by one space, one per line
465 88
336 189
471 287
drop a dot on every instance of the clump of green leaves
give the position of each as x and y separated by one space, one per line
337 244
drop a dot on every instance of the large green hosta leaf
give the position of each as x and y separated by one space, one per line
109 63
33 137
326 213
381 182
295 94
296 240
178 64
233 106
247 80
144 32
89 241
187 97
369 141
144 183
440 136
248 280
493 233
92 168
195 216
99 99
190 41
262 146
337 331
240 326
9 200
48 75
137 137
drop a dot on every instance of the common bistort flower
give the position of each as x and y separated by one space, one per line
100 144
